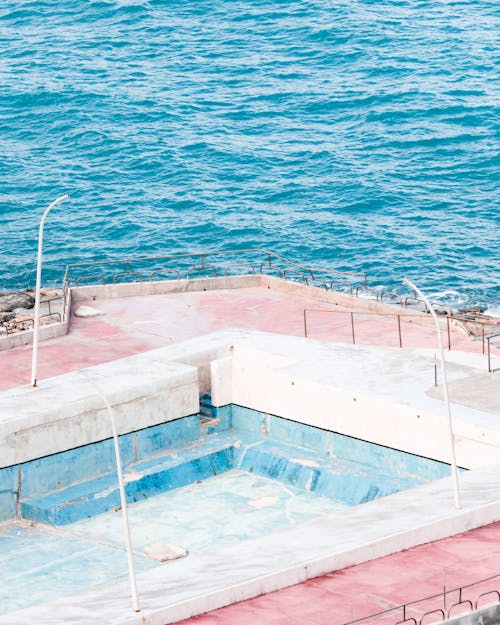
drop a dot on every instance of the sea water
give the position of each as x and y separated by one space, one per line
355 134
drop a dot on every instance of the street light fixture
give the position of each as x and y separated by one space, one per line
123 495
36 321
453 463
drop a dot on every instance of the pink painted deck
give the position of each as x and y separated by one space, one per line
135 324
377 585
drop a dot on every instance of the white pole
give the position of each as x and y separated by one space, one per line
36 320
454 471
123 498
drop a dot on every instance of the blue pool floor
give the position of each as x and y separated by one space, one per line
39 563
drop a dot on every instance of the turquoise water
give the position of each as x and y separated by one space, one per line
355 134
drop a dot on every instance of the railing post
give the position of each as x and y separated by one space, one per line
399 332
305 323
352 329
448 331
489 355
482 327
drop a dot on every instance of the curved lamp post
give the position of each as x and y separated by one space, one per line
453 463
36 321
123 496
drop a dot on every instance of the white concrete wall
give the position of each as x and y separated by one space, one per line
66 411
368 393
374 394
161 287
147 389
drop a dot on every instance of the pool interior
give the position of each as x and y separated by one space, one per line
225 475
80 483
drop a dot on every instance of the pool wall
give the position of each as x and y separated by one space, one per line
395 411
301 381
326 443
74 484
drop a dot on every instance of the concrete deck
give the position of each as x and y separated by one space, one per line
135 324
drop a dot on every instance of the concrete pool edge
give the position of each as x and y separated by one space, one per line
218 578
354 389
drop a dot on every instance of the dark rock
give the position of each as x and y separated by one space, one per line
6 316
15 300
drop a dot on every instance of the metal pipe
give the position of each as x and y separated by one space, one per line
454 470
305 323
36 320
123 497
352 329
399 332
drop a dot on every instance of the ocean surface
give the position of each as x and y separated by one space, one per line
346 134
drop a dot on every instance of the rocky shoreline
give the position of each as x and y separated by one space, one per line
17 309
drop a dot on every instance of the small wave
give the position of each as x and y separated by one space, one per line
493 311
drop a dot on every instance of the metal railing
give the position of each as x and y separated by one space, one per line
356 314
488 340
246 261
223 263
402 612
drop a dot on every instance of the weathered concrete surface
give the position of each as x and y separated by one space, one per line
293 372
474 389
370 393
134 324
261 565
485 616
343 388
67 411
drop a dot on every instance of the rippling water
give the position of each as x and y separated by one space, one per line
355 134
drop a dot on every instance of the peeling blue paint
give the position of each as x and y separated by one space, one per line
9 479
81 483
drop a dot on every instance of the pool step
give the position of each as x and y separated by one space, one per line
208 415
145 479
345 481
